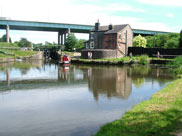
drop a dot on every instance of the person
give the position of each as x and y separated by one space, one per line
88 55
74 49
158 54
130 55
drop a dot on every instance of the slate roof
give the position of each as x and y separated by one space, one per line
116 29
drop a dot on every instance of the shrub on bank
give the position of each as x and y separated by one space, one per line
143 59
176 64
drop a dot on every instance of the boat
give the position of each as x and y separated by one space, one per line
65 60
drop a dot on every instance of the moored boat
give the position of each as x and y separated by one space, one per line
65 60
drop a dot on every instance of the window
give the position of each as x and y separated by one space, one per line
125 35
86 45
92 35
91 45
119 36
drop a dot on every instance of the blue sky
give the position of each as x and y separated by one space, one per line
163 15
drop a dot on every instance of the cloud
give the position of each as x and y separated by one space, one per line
65 11
170 15
175 3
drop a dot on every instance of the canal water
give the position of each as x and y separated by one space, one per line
44 99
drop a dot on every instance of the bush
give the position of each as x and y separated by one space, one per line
177 62
143 59
177 65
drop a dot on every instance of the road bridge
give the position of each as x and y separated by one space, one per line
62 28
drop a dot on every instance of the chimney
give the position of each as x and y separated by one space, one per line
111 27
97 25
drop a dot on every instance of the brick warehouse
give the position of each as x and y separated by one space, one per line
110 41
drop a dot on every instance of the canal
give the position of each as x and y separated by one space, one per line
44 99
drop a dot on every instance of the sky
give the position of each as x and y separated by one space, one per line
161 15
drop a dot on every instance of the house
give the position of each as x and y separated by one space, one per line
112 38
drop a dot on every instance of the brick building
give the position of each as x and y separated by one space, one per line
116 38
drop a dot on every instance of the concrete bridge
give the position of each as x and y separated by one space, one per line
62 29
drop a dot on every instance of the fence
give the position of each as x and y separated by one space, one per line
151 52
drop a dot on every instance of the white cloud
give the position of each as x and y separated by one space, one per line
64 11
170 15
176 3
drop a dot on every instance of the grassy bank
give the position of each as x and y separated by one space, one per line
10 50
159 116
143 59
6 53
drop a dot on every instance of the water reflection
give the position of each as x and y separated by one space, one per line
45 99
109 81
112 81
10 70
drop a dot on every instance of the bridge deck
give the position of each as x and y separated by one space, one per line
56 27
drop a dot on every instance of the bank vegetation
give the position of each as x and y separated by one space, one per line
159 116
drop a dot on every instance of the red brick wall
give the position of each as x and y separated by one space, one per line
110 41
125 42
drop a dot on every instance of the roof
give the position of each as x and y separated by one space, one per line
116 28
102 28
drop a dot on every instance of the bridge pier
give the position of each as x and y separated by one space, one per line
59 33
62 37
7 33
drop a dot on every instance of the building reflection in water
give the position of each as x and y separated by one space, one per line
112 81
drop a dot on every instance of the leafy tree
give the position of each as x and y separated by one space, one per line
139 41
79 44
70 42
163 40
24 43
171 44
150 41
180 40
3 39
47 44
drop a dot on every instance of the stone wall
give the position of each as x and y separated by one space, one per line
99 53
37 56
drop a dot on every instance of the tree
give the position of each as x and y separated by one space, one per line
150 41
24 43
70 42
79 44
171 43
3 39
139 41
170 40
180 40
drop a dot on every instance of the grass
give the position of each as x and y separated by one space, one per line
6 53
3 56
159 116
8 45
104 61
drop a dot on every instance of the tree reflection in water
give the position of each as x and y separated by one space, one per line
112 81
